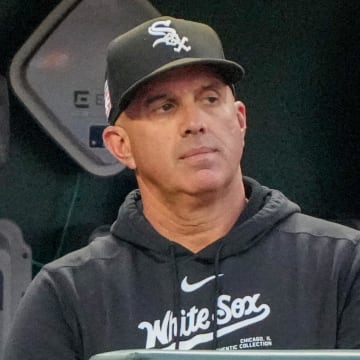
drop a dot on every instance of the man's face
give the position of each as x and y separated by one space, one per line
185 133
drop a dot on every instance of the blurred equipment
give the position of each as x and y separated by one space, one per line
59 74
4 121
15 273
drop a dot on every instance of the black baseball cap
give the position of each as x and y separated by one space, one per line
154 47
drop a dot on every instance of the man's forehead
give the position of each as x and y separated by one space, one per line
203 74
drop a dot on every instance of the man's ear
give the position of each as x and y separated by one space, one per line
117 142
241 114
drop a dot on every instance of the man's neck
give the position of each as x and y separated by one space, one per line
195 221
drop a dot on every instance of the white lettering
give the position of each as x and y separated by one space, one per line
158 331
193 320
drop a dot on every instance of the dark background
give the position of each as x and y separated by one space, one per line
302 92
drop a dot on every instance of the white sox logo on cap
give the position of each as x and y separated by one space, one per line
169 36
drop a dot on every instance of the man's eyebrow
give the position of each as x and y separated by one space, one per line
215 84
152 98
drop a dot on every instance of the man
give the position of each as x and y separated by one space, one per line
199 257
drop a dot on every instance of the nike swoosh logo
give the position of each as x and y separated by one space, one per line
186 287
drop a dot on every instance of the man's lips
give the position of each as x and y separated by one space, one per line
197 151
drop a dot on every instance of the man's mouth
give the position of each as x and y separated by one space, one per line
202 150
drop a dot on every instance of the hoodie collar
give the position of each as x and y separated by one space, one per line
265 208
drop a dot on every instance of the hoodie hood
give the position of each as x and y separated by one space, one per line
265 208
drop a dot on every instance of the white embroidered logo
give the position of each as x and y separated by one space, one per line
169 36
186 287
193 326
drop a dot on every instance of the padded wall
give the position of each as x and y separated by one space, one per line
302 94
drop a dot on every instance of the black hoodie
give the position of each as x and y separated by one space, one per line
278 280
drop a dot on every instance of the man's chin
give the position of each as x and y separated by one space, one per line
202 185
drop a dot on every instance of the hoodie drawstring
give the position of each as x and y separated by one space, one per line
218 289
176 297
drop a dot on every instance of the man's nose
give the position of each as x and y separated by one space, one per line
193 121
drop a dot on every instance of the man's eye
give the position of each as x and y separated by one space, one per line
166 107
161 108
212 99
